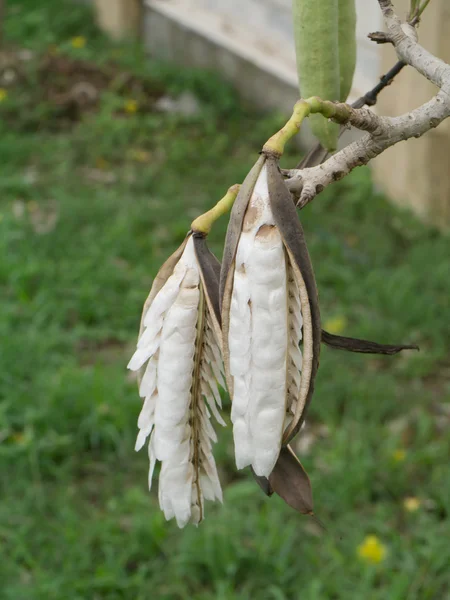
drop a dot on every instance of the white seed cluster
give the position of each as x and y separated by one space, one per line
183 363
265 329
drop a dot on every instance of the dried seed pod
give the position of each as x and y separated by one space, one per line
290 481
270 318
340 342
178 356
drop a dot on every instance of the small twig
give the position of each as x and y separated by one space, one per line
379 37
370 99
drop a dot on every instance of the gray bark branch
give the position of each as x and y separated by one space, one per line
383 132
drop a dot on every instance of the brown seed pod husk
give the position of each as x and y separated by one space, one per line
210 274
339 342
290 481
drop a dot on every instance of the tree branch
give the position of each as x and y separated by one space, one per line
383 132
318 154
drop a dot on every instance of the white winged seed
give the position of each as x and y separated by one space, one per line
183 360
265 330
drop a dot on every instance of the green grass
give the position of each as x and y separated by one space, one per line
88 212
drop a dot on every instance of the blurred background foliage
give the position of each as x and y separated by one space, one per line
105 158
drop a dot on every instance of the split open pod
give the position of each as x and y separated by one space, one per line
270 319
272 332
179 361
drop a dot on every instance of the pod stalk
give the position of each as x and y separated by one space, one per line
302 109
204 222
275 145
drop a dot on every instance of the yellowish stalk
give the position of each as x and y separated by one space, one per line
204 222
302 109
276 143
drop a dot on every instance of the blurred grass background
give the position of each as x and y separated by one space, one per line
97 188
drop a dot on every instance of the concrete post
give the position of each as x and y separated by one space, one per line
119 18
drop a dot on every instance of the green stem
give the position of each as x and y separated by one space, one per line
422 7
204 222
413 8
303 108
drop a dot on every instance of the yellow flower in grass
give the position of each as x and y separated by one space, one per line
3 94
335 325
399 455
372 550
78 42
411 504
131 107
